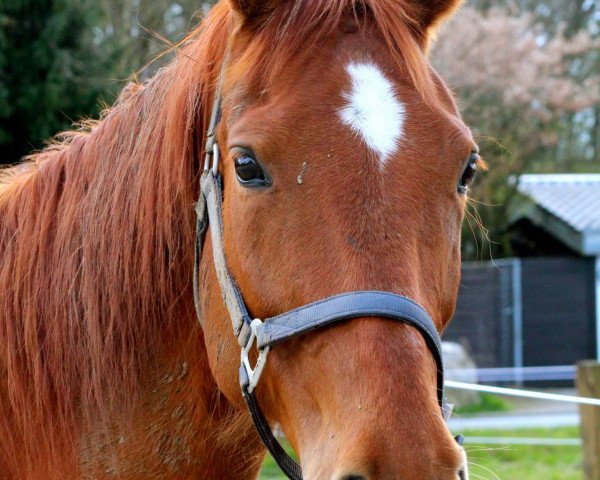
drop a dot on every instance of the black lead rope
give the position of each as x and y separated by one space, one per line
282 459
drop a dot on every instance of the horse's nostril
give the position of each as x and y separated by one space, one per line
462 474
353 476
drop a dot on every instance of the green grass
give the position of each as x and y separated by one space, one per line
487 403
270 469
525 462
519 462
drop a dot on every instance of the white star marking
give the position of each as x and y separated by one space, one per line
373 111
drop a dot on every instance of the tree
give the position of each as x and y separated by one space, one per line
52 70
141 30
569 19
60 60
516 85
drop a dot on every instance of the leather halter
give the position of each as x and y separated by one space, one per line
266 334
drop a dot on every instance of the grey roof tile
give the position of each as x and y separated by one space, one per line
574 198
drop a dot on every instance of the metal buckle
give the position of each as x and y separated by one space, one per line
447 409
215 155
253 374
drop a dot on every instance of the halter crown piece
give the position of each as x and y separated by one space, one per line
264 335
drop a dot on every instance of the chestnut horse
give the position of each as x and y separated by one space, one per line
345 166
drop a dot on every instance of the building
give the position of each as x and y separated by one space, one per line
543 307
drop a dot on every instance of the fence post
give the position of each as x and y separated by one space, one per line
588 385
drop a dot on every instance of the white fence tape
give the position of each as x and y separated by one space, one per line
522 393
515 374
552 442
558 442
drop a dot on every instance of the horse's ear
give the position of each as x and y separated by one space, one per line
430 14
252 11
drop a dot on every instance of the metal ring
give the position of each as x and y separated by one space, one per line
253 373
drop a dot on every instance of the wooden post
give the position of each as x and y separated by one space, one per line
588 385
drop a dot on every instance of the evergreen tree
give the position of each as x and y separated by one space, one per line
52 70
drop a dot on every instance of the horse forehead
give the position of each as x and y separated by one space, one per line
361 98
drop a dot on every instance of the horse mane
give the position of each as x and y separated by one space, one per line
96 230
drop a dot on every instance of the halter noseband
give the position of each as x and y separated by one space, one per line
264 335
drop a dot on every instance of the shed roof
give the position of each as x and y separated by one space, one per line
566 205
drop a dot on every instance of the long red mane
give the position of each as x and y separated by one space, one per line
96 231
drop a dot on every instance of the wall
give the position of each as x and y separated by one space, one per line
558 311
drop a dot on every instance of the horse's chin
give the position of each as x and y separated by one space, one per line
317 471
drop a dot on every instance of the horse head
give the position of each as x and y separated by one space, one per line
344 166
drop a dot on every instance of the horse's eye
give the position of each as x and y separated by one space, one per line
469 174
248 170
